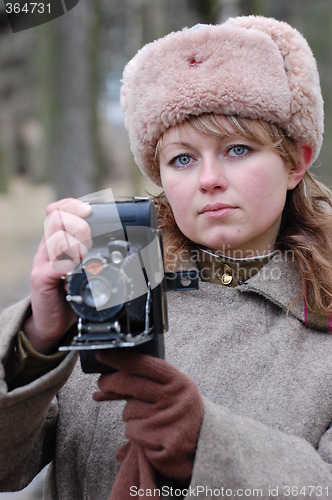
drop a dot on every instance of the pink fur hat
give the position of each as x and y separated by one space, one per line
252 66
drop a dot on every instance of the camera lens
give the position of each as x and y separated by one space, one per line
96 292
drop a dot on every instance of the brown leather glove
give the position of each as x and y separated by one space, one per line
163 416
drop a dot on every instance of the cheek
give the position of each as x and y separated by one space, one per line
179 204
179 199
267 194
175 192
263 192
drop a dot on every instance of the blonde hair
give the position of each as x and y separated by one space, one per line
306 228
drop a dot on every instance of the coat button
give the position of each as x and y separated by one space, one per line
227 277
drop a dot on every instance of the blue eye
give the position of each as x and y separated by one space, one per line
238 150
181 160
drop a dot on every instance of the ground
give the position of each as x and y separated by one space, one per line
21 228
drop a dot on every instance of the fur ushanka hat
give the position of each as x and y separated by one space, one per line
253 66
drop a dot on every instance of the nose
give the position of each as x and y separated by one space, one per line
212 176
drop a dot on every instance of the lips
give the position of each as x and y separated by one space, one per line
216 209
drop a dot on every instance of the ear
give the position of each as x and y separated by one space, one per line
296 173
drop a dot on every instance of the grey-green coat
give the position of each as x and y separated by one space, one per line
266 380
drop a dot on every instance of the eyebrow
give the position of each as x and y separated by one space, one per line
176 143
182 143
236 136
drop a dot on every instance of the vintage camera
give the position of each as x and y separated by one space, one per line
118 290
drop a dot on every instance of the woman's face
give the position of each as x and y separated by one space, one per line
227 194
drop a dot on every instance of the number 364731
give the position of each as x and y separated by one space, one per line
27 8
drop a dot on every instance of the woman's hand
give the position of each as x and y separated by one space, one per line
163 414
66 241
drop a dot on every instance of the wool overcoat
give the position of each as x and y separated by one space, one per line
264 375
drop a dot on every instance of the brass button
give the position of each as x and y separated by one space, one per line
227 277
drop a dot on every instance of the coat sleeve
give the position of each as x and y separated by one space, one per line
28 414
241 457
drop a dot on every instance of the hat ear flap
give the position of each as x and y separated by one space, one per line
307 105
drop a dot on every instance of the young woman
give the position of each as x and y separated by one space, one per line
227 119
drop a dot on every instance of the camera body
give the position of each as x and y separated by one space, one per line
118 290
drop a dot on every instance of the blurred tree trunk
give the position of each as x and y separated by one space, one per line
213 11
71 94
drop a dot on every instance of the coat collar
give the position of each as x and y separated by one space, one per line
222 270
279 282
275 278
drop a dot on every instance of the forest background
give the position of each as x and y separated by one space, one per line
61 127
